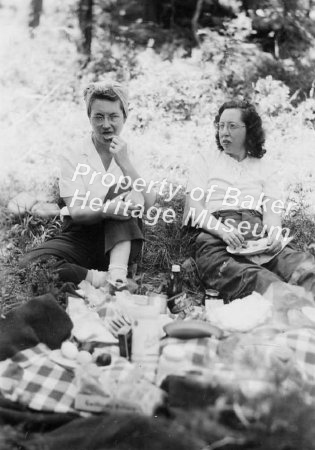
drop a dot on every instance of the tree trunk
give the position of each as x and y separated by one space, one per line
194 21
150 11
36 7
246 6
85 15
276 46
310 8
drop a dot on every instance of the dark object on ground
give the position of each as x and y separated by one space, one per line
28 420
124 432
39 320
186 392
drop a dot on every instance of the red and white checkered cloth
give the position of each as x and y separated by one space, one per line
32 379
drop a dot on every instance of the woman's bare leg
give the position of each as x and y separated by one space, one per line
118 261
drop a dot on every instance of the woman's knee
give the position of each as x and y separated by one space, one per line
234 278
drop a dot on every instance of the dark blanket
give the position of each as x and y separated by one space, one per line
41 319
123 432
48 431
28 420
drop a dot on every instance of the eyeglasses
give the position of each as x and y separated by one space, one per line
231 126
99 118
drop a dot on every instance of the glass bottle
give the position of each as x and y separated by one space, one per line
175 284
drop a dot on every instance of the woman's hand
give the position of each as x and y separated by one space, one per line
118 148
274 242
231 236
272 221
118 208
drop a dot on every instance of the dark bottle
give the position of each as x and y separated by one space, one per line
177 302
175 283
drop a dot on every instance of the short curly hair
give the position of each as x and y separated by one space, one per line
255 135
108 95
105 90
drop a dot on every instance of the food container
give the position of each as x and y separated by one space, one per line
160 301
179 303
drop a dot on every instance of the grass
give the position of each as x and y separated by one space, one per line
20 234
165 244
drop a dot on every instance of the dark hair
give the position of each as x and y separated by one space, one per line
108 94
255 135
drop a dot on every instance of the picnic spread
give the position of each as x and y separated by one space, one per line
122 353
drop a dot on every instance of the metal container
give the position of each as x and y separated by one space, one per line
179 303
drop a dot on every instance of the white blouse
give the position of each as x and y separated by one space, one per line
76 172
230 184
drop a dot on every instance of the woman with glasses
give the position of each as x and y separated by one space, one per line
233 201
100 228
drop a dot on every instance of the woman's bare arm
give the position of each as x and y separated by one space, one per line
95 212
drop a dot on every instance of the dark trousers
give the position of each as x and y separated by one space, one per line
236 276
82 247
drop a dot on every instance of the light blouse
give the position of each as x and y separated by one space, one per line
79 180
230 184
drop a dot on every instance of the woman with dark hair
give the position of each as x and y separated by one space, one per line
100 232
233 201
255 135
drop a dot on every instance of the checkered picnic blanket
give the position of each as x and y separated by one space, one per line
302 343
199 352
32 379
120 387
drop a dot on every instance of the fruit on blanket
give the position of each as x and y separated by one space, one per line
84 357
104 359
69 350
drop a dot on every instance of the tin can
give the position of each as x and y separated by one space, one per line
210 294
212 300
160 301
